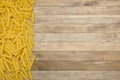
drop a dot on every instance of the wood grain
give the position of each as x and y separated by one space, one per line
77 28
96 19
77 60
77 37
78 55
77 40
77 65
73 3
83 10
76 75
77 46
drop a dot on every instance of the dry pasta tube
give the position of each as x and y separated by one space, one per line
16 39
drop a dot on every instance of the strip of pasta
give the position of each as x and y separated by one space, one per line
16 39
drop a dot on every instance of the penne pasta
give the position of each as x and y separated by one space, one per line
16 39
2 46
33 18
31 63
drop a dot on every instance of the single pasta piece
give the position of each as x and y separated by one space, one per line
16 39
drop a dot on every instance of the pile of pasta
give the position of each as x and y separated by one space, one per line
16 39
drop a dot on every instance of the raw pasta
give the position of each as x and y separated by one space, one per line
16 39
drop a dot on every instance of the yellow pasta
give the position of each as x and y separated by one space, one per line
33 18
16 39
2 46
6 66
26 9
3 27
8 61
31 63
16 22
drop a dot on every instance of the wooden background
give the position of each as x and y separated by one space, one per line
77 40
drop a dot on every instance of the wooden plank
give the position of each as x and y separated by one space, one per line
73 3
96 19
77 46
39 37
70 50
76 75
77 65
77 55
83 10
77 28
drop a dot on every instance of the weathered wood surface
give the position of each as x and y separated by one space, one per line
78 55
74 3
77 46
76 75
77 40
83 37
75 19
77 28
83 10
77 65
